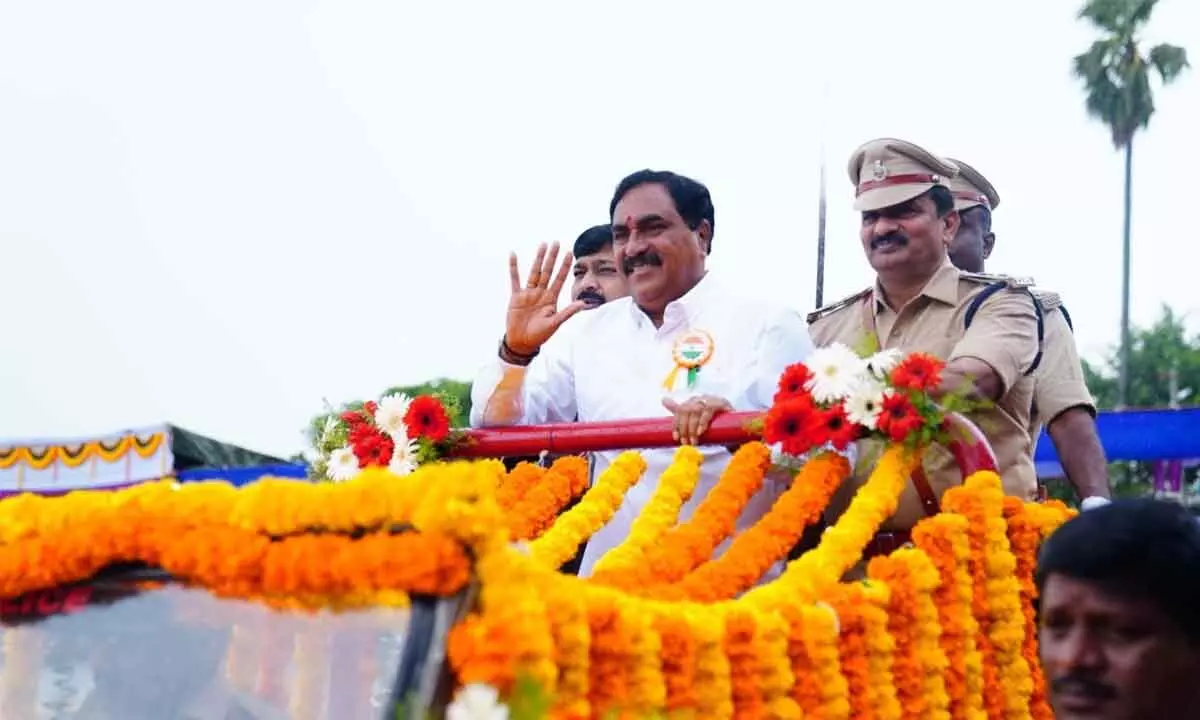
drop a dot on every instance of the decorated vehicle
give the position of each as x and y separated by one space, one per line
433 588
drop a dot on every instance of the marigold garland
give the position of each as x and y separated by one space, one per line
674 488
537 509
517 482
687 546
943 539
754 551
1008 684
597 506
906 643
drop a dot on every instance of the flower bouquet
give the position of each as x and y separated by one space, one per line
838 397
396 432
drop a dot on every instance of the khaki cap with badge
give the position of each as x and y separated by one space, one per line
888 171
970 189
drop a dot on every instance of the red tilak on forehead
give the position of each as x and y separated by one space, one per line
629 223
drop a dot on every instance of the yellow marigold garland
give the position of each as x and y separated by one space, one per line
1008 684
919 663
687 546
842 545
754 551
805 644
674 489
598 505
943 539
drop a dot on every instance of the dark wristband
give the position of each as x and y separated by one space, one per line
511 357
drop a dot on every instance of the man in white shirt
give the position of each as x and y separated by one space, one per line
681 344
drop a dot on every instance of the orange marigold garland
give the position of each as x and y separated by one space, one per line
686 546
565 480
847 601
741 628
678 660
919 662
599 503
754 551
1024 535
612 655
660 513
944 540
517 482
881 648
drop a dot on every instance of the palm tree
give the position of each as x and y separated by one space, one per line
1116 76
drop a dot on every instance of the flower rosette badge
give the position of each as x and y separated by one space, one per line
838 397
397 432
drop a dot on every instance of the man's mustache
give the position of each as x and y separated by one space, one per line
592 297
897 238
645 258
1083 685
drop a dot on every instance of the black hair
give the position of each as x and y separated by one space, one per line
691 197
943 199
592 241
1138 548
983 212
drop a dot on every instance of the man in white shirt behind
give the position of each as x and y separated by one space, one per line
681 344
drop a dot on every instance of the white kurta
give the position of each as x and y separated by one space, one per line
610 363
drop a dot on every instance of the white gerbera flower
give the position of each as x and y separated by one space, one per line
883 362
477 701
836 371
404 457
343 465
864 404
389 416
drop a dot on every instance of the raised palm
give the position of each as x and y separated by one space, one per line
533 314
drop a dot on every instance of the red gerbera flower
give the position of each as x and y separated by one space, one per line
426 417
836 428
918 371
374 449
360 433
352 418
792 423
370 406
792 382
897 417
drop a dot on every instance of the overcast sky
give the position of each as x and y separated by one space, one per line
217 214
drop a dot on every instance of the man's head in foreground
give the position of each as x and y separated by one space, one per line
908 217
597 279
1119 608
662 232
974 199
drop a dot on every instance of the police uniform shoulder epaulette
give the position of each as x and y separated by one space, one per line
1014 283
834 307
1049 300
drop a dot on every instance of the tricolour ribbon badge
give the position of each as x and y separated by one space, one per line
692 350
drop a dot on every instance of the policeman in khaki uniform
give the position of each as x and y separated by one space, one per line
987 329
1061 399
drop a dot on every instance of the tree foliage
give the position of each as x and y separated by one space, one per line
1155 351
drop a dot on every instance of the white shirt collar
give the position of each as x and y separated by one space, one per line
685 308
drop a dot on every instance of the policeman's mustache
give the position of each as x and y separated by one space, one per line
591 297
635 261
892 238
1089 687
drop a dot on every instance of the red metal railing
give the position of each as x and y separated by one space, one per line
968 445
